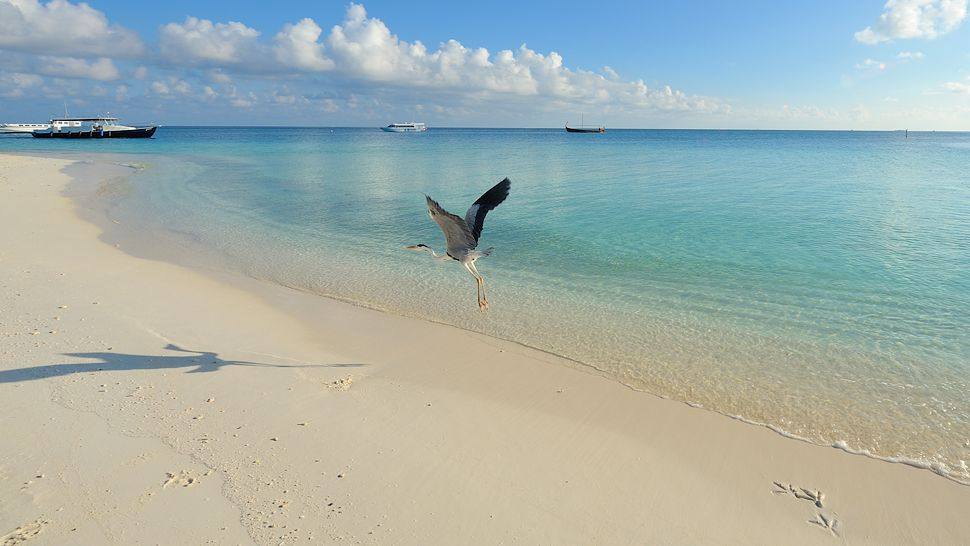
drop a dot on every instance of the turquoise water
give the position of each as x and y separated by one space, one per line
816 282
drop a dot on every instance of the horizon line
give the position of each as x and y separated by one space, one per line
562 128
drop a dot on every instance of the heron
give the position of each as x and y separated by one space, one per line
461 235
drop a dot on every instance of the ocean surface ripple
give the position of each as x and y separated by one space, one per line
814 282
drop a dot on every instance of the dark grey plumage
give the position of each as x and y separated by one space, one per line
462 234
458 237
475 217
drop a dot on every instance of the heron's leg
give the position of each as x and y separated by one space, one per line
482 300
482 304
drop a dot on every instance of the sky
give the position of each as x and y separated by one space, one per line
689 64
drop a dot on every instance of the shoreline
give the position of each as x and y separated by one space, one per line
507 411
170 247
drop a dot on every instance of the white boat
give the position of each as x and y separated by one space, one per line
23 127
405 127
59 124
95 127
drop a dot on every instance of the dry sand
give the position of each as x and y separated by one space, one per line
145 403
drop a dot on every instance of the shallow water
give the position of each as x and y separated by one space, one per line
817 282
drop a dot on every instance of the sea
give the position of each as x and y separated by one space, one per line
814 282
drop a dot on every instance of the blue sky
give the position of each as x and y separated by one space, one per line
817 65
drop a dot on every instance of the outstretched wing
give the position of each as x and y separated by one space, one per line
458 237
475 217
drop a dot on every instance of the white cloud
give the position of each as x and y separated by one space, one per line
961 88
238 100
284 98
907 19
871 64
361 65
288 97
247 101
160 88
25 80
62 28
102 69
297 46
14 85
910 55
364 48
173 86
200 41
218 76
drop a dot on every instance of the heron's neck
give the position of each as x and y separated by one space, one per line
435 254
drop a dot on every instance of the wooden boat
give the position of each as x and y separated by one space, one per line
100 127
583 128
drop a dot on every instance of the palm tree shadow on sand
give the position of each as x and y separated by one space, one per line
198 361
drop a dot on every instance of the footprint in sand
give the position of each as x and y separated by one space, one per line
341 384
828 522
24 533
183 478
816 497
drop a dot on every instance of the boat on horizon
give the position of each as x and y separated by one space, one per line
22 128
583 128
411 127
96 127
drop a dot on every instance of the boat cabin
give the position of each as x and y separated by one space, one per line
85 124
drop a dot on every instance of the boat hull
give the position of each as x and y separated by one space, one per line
585 129
139 132
404 129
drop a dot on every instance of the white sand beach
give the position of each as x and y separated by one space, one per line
145 403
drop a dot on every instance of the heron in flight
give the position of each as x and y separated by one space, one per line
461 235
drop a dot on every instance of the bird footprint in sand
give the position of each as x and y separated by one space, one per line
825 521
815 497
829 523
